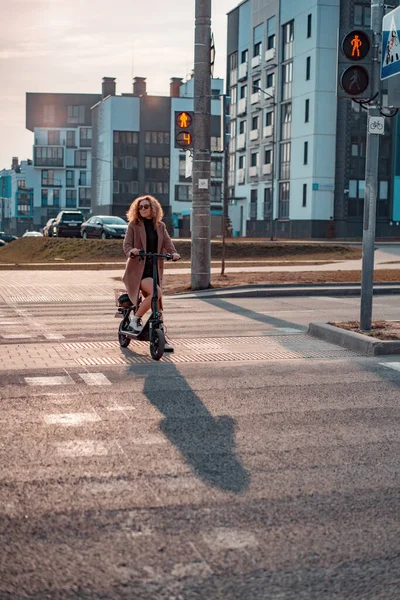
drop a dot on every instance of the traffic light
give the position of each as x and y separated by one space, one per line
225 121
355 61
184 125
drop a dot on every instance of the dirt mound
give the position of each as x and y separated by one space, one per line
32 250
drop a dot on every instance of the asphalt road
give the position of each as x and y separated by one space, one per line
244 478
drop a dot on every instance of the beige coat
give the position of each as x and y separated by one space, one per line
135 237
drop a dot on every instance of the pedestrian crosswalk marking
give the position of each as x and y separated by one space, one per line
225 538
55 380
54 336
82 448
391 365
95 379
71 418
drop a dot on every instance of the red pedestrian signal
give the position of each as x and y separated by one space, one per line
355 59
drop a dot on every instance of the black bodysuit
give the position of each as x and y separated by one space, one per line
151 246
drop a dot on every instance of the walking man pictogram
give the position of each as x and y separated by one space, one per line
356 44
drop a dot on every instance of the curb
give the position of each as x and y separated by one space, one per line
363 344
281 290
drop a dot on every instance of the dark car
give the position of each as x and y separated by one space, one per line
104 227
68 224
48 229
6 237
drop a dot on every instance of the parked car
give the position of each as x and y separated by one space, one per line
48 228
32 234
2 243
104 227
7 237
68 224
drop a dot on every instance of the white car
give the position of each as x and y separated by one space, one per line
32 234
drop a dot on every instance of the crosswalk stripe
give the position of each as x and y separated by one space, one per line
95 379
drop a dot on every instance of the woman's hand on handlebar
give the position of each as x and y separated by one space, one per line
134 252
176 256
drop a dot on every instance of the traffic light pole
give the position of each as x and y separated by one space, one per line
371 177
201 218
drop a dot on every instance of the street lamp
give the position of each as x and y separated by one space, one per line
273 104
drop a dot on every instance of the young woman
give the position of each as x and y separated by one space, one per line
145 232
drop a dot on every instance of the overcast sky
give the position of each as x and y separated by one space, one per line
70 45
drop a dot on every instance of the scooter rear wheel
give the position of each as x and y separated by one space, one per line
124 340
157 344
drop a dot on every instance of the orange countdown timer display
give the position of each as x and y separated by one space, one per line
184 139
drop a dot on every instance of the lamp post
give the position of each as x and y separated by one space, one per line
273 104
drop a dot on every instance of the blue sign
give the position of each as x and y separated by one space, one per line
390 64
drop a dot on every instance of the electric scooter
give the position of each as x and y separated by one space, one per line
152 331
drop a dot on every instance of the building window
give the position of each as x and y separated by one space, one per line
307 111
288 38
308 68
49 156
216 168
115 187
216 192
70 178
84 196
71 139
244 56
21 183
304 195
383 200
233 61
362 15
24 201
270 82
242 161
284 199
267 203
80 158
83 178
254 159
75 114
271 42
253 203
70 200
309 26
159 187
215 143
285 160
156 137
242 127
126 137
85 137
183 193
257 49
53 138
267 156
355 205
286 121
287 79
358 146
243 92
45 197
49 114
305 153
254 123
256 86
156 162
271 31
48 178
56 197
269 118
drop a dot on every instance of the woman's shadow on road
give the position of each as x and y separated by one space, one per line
207 443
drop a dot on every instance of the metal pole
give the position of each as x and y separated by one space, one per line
201 234
371 178
271 229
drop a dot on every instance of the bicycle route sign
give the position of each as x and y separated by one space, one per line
376 125
390 64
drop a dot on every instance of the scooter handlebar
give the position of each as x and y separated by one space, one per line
143 254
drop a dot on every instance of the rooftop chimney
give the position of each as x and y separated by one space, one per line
14 163
139 86
108 87
174 87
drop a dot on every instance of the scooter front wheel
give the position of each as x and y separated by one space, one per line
157 344
124 340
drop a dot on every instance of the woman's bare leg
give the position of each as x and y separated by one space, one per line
146 285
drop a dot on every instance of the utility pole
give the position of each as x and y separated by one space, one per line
371 175
201 218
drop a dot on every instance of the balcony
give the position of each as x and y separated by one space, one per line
253 171
232 111
270 93
233 77
240 176
243 68
241 141
255 61
242 106
255 98
232 145
268 131
254 134
267 169
270 54
85 143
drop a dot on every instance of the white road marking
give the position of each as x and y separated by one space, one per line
120 408
71 418
95 379
17 336
56 380
289 330
9 322
54 336
82 448
230 539
391 365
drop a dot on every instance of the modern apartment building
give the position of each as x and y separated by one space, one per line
297 153
134 153
16 197
62 128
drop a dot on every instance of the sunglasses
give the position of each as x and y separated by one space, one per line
144 206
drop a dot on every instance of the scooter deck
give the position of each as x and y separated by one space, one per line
144 335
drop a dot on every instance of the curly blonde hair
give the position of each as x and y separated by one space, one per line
133 213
